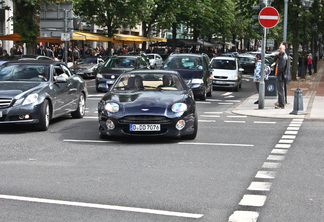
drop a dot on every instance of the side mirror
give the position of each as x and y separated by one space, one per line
241 70
103 87
61 79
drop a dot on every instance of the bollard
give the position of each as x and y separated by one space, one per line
298 103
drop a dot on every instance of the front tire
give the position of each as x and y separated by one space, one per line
44 118
194 134
204 95
79 113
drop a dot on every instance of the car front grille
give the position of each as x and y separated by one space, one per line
5 102
220 77
145 119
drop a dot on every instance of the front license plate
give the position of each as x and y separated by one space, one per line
110 81
219 82
0 114
144 127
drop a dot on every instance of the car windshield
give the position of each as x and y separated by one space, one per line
183 62
121 63
88 60
24 72
150 56
148 81
223 64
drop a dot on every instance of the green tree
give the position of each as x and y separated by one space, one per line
25 22
110 15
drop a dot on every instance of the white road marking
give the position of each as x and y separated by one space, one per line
279 151
297 120
244 216
237 116
216 144
276 157
203 102
260 186
227 94
264 122
213 112
288 137
293 128
102 206
266 174
233 101
213 100
271 165
292 125
228 121
291 132
286 141
283 146
210 116
87 141
206 121
225 103
253 200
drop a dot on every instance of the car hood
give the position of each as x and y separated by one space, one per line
224 72
105 70
190 74
87 65
12 89
146 102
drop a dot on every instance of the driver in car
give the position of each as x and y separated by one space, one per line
196 65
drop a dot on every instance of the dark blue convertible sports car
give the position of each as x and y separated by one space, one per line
34 92
148 103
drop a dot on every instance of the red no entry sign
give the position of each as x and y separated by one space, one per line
268 17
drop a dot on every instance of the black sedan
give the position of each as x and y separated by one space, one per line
34 92
87 66
116 65
148 103
195 70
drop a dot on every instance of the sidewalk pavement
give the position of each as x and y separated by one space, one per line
313 100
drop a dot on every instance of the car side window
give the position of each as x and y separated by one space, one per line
66 71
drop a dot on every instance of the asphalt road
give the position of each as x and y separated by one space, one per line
233 166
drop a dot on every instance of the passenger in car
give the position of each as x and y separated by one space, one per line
138 82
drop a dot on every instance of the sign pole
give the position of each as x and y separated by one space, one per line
262 83
65 43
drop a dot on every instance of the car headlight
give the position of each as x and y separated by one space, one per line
99 76
196 81
28 100
179 107
112 107
233 77
91 69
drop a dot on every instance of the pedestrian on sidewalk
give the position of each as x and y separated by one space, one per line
282 75
310 64
257 73
315 63
289 70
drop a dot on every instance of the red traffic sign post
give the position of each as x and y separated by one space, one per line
268 17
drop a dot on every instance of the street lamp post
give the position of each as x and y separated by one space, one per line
314 30
306 4
320 46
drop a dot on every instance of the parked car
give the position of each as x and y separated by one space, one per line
87 66
155 60
109 72
195 70
226 72
35 57
143 54
148 103
34 92
247 62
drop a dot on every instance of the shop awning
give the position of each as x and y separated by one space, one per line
130 38
95 37
83 36
156 39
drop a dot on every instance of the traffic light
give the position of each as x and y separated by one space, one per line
255 18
